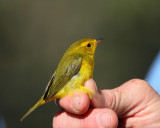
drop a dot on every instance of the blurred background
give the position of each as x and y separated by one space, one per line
34 34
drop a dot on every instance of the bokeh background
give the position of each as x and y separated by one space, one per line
35 33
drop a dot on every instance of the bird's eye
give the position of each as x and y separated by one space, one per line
88 45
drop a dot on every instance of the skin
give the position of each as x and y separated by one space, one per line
135 104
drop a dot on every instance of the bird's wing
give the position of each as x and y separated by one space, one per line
60 78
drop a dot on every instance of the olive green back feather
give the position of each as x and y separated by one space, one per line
64 74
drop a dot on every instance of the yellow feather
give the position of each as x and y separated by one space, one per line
75 67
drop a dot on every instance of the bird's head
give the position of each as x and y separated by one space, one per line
85 46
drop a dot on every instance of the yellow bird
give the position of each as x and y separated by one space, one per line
75 67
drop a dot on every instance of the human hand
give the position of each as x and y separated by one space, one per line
134 104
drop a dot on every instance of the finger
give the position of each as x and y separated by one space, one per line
126 99
77 104
94 118
80 102
130 98
98 99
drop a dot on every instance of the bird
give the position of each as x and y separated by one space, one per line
75 67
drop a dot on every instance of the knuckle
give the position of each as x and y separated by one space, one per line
138 81
139 84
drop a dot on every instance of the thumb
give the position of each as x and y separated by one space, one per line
132 95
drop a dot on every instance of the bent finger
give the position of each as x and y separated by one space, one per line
78 103
94 118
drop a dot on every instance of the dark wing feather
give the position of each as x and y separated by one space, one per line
60 78
48 86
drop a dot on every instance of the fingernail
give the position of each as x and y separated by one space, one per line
103 120
76 103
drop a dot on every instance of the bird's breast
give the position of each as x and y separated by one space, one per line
86 70
85 73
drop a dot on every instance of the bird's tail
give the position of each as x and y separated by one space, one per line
39 103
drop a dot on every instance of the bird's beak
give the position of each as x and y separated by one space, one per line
99 40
